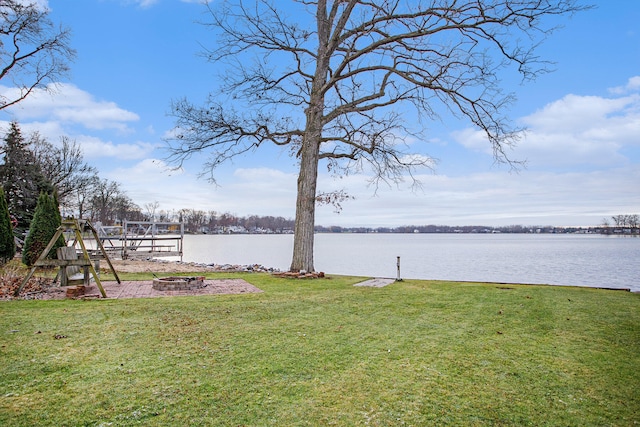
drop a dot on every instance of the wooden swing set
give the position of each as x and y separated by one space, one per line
68 260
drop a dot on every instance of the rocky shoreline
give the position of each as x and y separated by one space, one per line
164 266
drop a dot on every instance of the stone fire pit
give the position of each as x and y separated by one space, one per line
178 283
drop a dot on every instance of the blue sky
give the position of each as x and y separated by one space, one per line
582 148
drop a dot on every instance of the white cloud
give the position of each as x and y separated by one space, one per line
633 85
146 3
95 148
573 113
582 130
495 198
140 3
574 130
150 180
95 151
67 103
258 177
472 139
51 131
419 159
260 191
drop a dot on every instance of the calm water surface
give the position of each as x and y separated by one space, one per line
578 260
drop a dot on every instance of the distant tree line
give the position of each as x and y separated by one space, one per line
470 229
625 224
212 222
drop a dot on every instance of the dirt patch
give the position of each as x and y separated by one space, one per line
156 266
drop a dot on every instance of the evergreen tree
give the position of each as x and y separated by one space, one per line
46 221
7 242
22 177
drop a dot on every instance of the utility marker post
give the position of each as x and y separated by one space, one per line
398 279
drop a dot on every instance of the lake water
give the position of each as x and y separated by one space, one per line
555 259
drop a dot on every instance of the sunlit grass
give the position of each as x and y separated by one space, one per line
323 352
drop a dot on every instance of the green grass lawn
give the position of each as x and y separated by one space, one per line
322 352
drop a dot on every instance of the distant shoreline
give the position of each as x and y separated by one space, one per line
441 230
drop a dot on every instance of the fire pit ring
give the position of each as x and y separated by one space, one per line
175 283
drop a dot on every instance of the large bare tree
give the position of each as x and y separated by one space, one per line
328 79
34 53
64 167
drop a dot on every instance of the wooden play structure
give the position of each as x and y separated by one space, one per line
71 260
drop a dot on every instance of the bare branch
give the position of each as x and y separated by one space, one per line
33 53
334 198
221 133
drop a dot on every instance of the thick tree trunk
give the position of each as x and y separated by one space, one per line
310 153
306 203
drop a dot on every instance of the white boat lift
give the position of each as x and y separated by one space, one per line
143 239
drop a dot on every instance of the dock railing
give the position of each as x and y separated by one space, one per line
143 239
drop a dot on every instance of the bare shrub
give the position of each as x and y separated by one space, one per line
11 277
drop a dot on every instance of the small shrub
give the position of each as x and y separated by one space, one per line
7 242
46 221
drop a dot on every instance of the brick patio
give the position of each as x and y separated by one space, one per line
144 289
